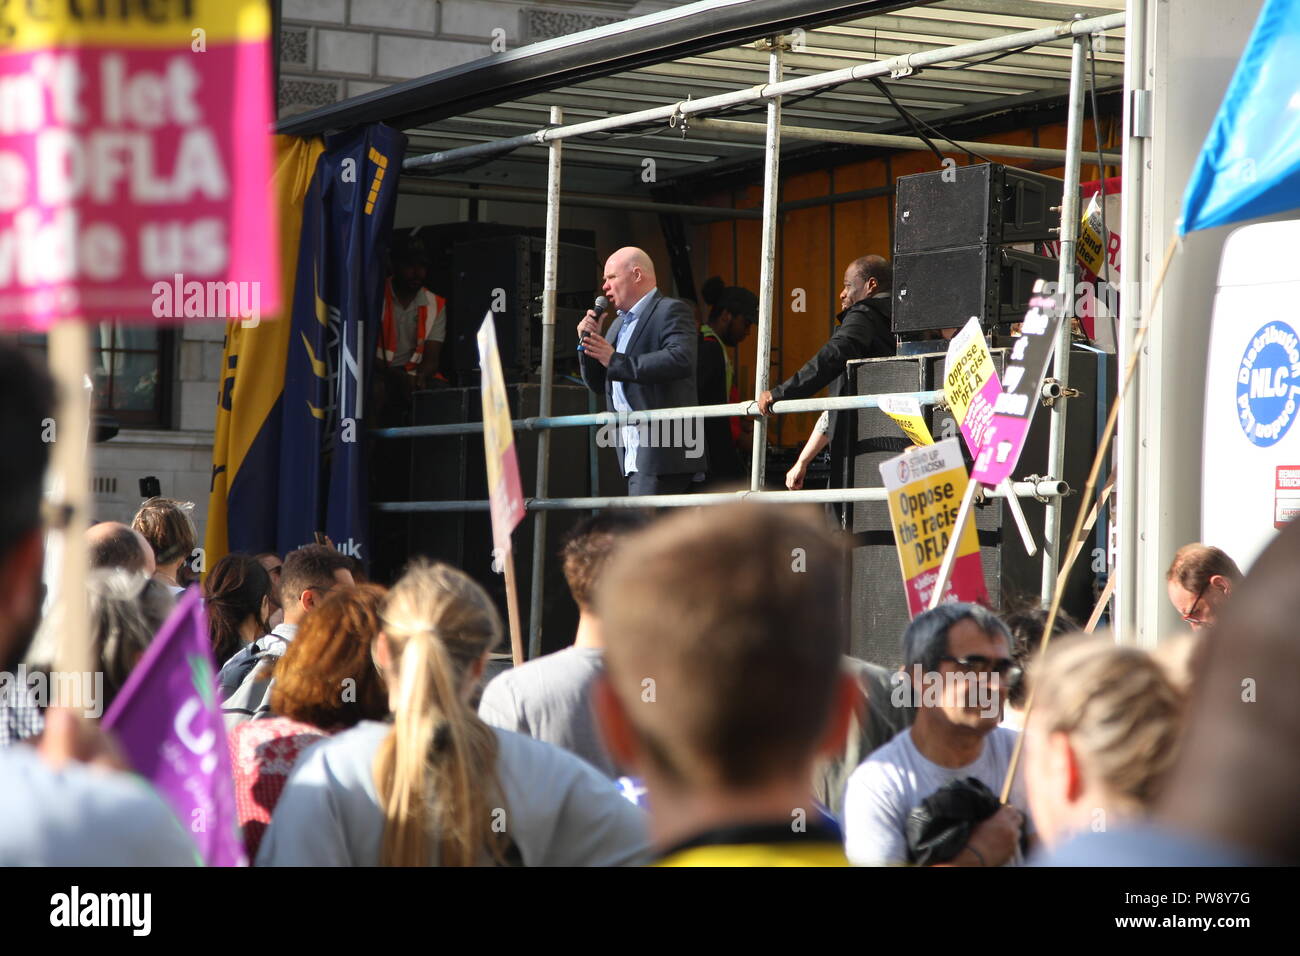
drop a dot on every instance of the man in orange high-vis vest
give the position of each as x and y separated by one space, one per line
733 310
412 328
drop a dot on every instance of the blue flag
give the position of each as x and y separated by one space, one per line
338 298
1250 163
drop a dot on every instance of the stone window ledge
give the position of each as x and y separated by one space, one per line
153 437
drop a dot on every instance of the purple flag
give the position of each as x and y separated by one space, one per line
168 721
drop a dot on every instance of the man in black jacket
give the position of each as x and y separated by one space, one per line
863 332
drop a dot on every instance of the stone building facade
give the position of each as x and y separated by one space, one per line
331 50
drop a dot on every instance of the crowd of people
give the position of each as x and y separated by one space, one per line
688 723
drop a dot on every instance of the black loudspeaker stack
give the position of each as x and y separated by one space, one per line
954 232
878 608
505 275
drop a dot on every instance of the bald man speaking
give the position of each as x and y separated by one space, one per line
647 361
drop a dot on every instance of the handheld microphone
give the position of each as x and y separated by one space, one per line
599 307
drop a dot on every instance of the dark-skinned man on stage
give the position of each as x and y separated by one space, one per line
863 332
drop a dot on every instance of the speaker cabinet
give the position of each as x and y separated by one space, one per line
944 288
505 275
878 607
969 205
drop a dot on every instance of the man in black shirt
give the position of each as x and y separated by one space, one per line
863 332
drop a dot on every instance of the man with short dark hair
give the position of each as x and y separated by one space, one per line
113 545
307 576
864 331
273 565
734 310
958 660
54 809
722 695
413 326
1200 580
550 698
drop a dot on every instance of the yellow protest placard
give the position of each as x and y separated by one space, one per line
1091 246
925 490
906 412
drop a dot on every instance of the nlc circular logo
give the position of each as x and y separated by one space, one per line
1268 384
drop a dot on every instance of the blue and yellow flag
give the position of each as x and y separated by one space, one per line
289 454
246 444
337 307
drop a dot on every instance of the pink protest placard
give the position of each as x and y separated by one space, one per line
970 384
135 162
1004 439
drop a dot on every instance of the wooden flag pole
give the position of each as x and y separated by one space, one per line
512 611
1102 601
950 555
1093 513
69 356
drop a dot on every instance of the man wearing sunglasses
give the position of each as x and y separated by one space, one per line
958 662
1200 580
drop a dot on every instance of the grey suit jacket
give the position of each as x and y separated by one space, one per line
657 371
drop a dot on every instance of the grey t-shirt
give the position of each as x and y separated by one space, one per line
559 810
77 815
550 699
896 778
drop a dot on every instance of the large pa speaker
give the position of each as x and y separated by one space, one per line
969 205
878 608
944 288
454 467
505 275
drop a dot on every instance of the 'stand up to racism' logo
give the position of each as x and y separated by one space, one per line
1268 384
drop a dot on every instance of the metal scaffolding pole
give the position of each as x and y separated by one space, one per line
1133 264
596 419
1065 293
551 270
1042 488
896 66
767 264
887 140
429 187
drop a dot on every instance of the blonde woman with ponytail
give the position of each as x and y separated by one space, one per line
435 785
1102 738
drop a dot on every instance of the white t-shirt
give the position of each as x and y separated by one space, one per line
406 319
896 778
